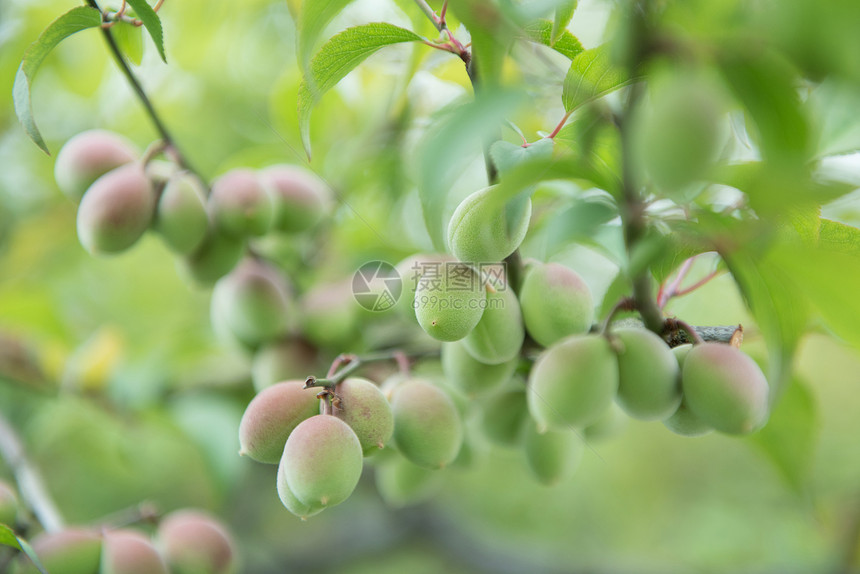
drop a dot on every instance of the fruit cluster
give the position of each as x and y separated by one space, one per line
122 196
187 541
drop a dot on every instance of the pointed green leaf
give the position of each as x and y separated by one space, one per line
152 23
314 16
591 76
566 44
74 20
790 436
9 538
338 57
563 16
129 39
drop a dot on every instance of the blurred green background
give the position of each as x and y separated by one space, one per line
149 399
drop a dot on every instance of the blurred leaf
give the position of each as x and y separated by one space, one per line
833 105
620 287
677 249
777 304
507 155
491 32
448 148
835 236
829 279
152 23
129 39
563 16
591 75
790 436
338 57
580 221
565 44
8 538
74 20
765 87
314 16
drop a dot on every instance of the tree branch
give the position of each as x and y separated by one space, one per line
30 483
159 125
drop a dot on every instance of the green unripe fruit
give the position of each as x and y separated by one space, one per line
322 461
180 217
401 483
504 417
253 303
683 421
725 388
282 360
471 376
573 383
215 257
483 229
411 270
611 423
365 409
299 197
680 135
289 500
649 386
427 427
329 315
450 307
8 505
130 552
88 156
239 205
553 455
70 551
555 303
194 542
270 418
498 336
116 210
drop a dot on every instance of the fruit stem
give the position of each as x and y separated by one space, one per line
30 483
356 362
624 304
159 125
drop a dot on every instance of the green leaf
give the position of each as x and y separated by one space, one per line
791 434
566 44
581 220
152 23
829 279
563 16
766 87
836 236
779 307
74 20
314 16
338 57
591 76
507 155
129 39
449 147
620 287
9 538
833 104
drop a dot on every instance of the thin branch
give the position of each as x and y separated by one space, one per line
159 125
30 483
355 362
431 14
